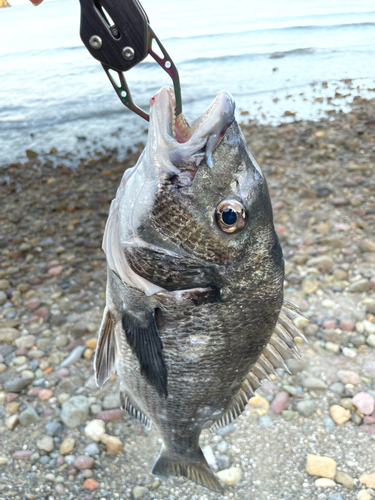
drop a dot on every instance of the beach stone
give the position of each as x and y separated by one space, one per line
280 402
209 456
61 341
222 447
46 444
349 353
95 429
4 284
53 428
3 298
329 423
67 446
265 421
364 402
335 496
339 414
22 455
332 347
364 495
288 415
73 357
4 460
90 484
337 387
324 262
109 415
12 421
371 340
223 462
29 416
368 326
140 492
84 462
368 480
323 482
359 286
78 329
26 342
313 383
347 404
320 466
17 385
344 479
45 394
348 377
260 403
75 411
92 343
310 285
347 325
92 449
306 408
230 476
294 365
111 401
32 304
114 444
8 335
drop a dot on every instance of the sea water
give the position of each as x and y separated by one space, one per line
274 56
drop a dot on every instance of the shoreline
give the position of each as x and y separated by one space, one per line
316 101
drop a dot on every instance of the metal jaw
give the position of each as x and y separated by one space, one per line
165 62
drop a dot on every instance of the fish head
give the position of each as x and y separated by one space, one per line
212 199
196 194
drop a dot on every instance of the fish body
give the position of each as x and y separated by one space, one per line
195 283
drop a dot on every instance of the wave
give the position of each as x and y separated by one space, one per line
310 27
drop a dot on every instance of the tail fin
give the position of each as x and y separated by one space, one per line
199 471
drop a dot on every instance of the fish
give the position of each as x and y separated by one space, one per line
195 316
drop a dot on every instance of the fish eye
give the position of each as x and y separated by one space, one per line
231 216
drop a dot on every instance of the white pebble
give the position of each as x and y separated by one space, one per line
323 482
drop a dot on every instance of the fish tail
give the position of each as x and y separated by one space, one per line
198 471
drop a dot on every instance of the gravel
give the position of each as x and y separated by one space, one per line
52 294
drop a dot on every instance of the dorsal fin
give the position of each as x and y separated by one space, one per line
106 351
280 347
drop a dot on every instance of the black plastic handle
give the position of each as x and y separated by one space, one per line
115 32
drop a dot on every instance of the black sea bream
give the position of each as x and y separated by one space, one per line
195 316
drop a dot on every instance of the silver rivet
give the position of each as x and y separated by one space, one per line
128 53
95 42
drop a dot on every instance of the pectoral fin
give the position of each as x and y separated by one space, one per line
106 352
146 344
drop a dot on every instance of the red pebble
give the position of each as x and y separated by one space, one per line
60 460
34 391
42 312
22 455
55 271
11 396
329 324
84 462
109 415
32 304
280 402
347 324
21 352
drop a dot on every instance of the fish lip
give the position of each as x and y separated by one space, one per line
205 132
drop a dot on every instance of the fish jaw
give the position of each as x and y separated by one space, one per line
172 137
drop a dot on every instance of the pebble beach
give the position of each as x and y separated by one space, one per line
308 435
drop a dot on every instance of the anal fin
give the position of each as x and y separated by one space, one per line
198 471
106 351
146 344
128 405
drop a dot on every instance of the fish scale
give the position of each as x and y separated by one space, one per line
195 317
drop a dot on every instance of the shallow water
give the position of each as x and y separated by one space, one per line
52 91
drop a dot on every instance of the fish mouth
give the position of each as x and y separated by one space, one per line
190 142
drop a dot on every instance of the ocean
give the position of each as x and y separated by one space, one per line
274 56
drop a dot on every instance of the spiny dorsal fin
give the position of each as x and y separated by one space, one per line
281 346
106 352
128 405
